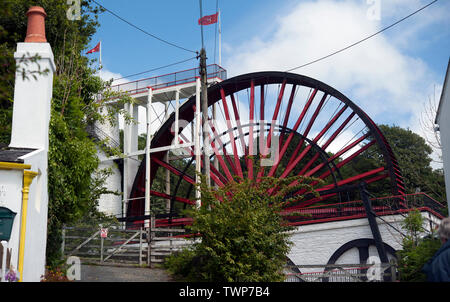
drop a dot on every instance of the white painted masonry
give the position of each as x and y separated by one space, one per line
442 119
11 181
110 204
30 125
316 243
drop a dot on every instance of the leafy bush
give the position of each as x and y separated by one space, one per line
243 236
413 257
416 250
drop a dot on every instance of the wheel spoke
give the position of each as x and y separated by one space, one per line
301 155
288 112
337 166
294 159
308 128
291 135
233 142
264 149
167 196
173 170
251 121
238 123
218 155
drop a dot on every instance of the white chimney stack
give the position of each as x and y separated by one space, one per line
32 96
24 165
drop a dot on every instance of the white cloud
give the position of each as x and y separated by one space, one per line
378 74
108 75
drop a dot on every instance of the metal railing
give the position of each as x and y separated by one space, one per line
381 272
355 209
100 135
141 246
169 80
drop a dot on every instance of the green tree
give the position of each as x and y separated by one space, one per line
413 155
243 235
74 180
416 249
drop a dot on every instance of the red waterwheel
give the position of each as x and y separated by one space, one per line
303 126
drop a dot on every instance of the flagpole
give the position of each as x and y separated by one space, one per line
100 61
220 42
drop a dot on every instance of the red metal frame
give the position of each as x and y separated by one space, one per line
234 167
250 139
232 140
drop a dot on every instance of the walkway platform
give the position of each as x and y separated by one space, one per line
165 86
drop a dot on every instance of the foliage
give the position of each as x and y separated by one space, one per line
75 181
244 237
416 251
413 156
413 257
413 224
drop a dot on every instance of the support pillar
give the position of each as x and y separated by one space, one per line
373 223
167 159
205 126
197 142
147 156
130 145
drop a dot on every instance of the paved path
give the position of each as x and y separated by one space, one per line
103 273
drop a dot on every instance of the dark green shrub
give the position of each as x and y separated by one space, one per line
243 237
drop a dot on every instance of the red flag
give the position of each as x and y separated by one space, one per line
207 20
95 49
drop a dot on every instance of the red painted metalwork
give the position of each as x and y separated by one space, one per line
265 147
183 77
320 162
219 156
251 121
291 135
288 111
305 134
232 140
173 170
238 123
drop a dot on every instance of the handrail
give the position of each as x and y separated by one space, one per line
217 71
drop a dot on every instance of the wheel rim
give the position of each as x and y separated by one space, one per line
308 118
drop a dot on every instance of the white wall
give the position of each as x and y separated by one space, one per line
11 182
110 204
37 212
316 243
32 97
30 124
443 121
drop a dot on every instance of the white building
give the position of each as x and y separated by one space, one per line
442 119
23 164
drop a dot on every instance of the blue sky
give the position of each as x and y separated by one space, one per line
176 21
390 76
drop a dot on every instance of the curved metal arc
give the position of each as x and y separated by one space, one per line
163 137
324 155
